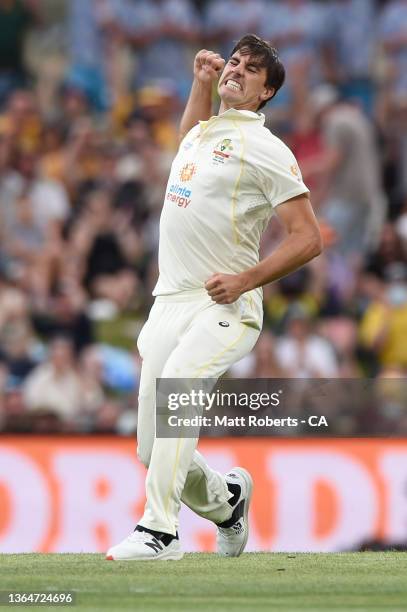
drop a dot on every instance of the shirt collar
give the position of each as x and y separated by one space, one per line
241 115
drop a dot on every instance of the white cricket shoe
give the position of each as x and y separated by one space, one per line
233 534
144 546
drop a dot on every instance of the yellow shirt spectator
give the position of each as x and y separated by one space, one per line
384 330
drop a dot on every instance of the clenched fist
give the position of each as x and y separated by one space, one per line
208 66
226 288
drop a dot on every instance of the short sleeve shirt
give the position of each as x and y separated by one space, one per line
228 176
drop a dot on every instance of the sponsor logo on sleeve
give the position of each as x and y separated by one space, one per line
295 171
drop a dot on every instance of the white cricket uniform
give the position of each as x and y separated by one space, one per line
228 176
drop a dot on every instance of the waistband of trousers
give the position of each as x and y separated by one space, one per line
184 296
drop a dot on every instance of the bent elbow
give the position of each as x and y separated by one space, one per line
318 245
314 244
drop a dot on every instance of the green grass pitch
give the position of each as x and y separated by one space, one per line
205 582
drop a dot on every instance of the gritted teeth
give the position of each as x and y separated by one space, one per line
232 84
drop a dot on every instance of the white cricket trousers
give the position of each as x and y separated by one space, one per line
182 338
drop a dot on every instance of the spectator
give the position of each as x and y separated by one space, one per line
262 362
297 29
49 198
21 120
81 157
13 416
104 245
301 352
162 32
24 238
309 148
158 105
226 21
389 251
383 329
15 18
393 36
55 386
393 94
107 418
355 205
352 43
89 50
17 344
296 288
65 313
342 333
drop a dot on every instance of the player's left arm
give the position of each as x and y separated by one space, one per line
301 244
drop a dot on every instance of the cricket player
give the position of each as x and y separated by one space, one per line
229 177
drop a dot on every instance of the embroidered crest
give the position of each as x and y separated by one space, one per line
221 152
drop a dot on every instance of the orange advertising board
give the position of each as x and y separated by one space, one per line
71 494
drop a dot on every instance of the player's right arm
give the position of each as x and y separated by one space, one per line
207 68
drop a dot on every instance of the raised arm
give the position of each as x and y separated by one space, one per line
207 68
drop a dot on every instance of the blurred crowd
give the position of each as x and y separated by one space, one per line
91 92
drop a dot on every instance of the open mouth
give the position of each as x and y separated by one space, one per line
233 85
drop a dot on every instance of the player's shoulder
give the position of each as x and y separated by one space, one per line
263 143
190 136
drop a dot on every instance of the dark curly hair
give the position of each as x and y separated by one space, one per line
253 45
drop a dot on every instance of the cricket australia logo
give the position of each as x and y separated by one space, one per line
222 152
187 172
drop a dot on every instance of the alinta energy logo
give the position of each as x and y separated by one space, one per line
179 194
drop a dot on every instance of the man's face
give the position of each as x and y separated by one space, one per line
242 83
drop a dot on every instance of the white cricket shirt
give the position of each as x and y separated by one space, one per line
229 174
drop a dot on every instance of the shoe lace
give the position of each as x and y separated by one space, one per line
140 537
